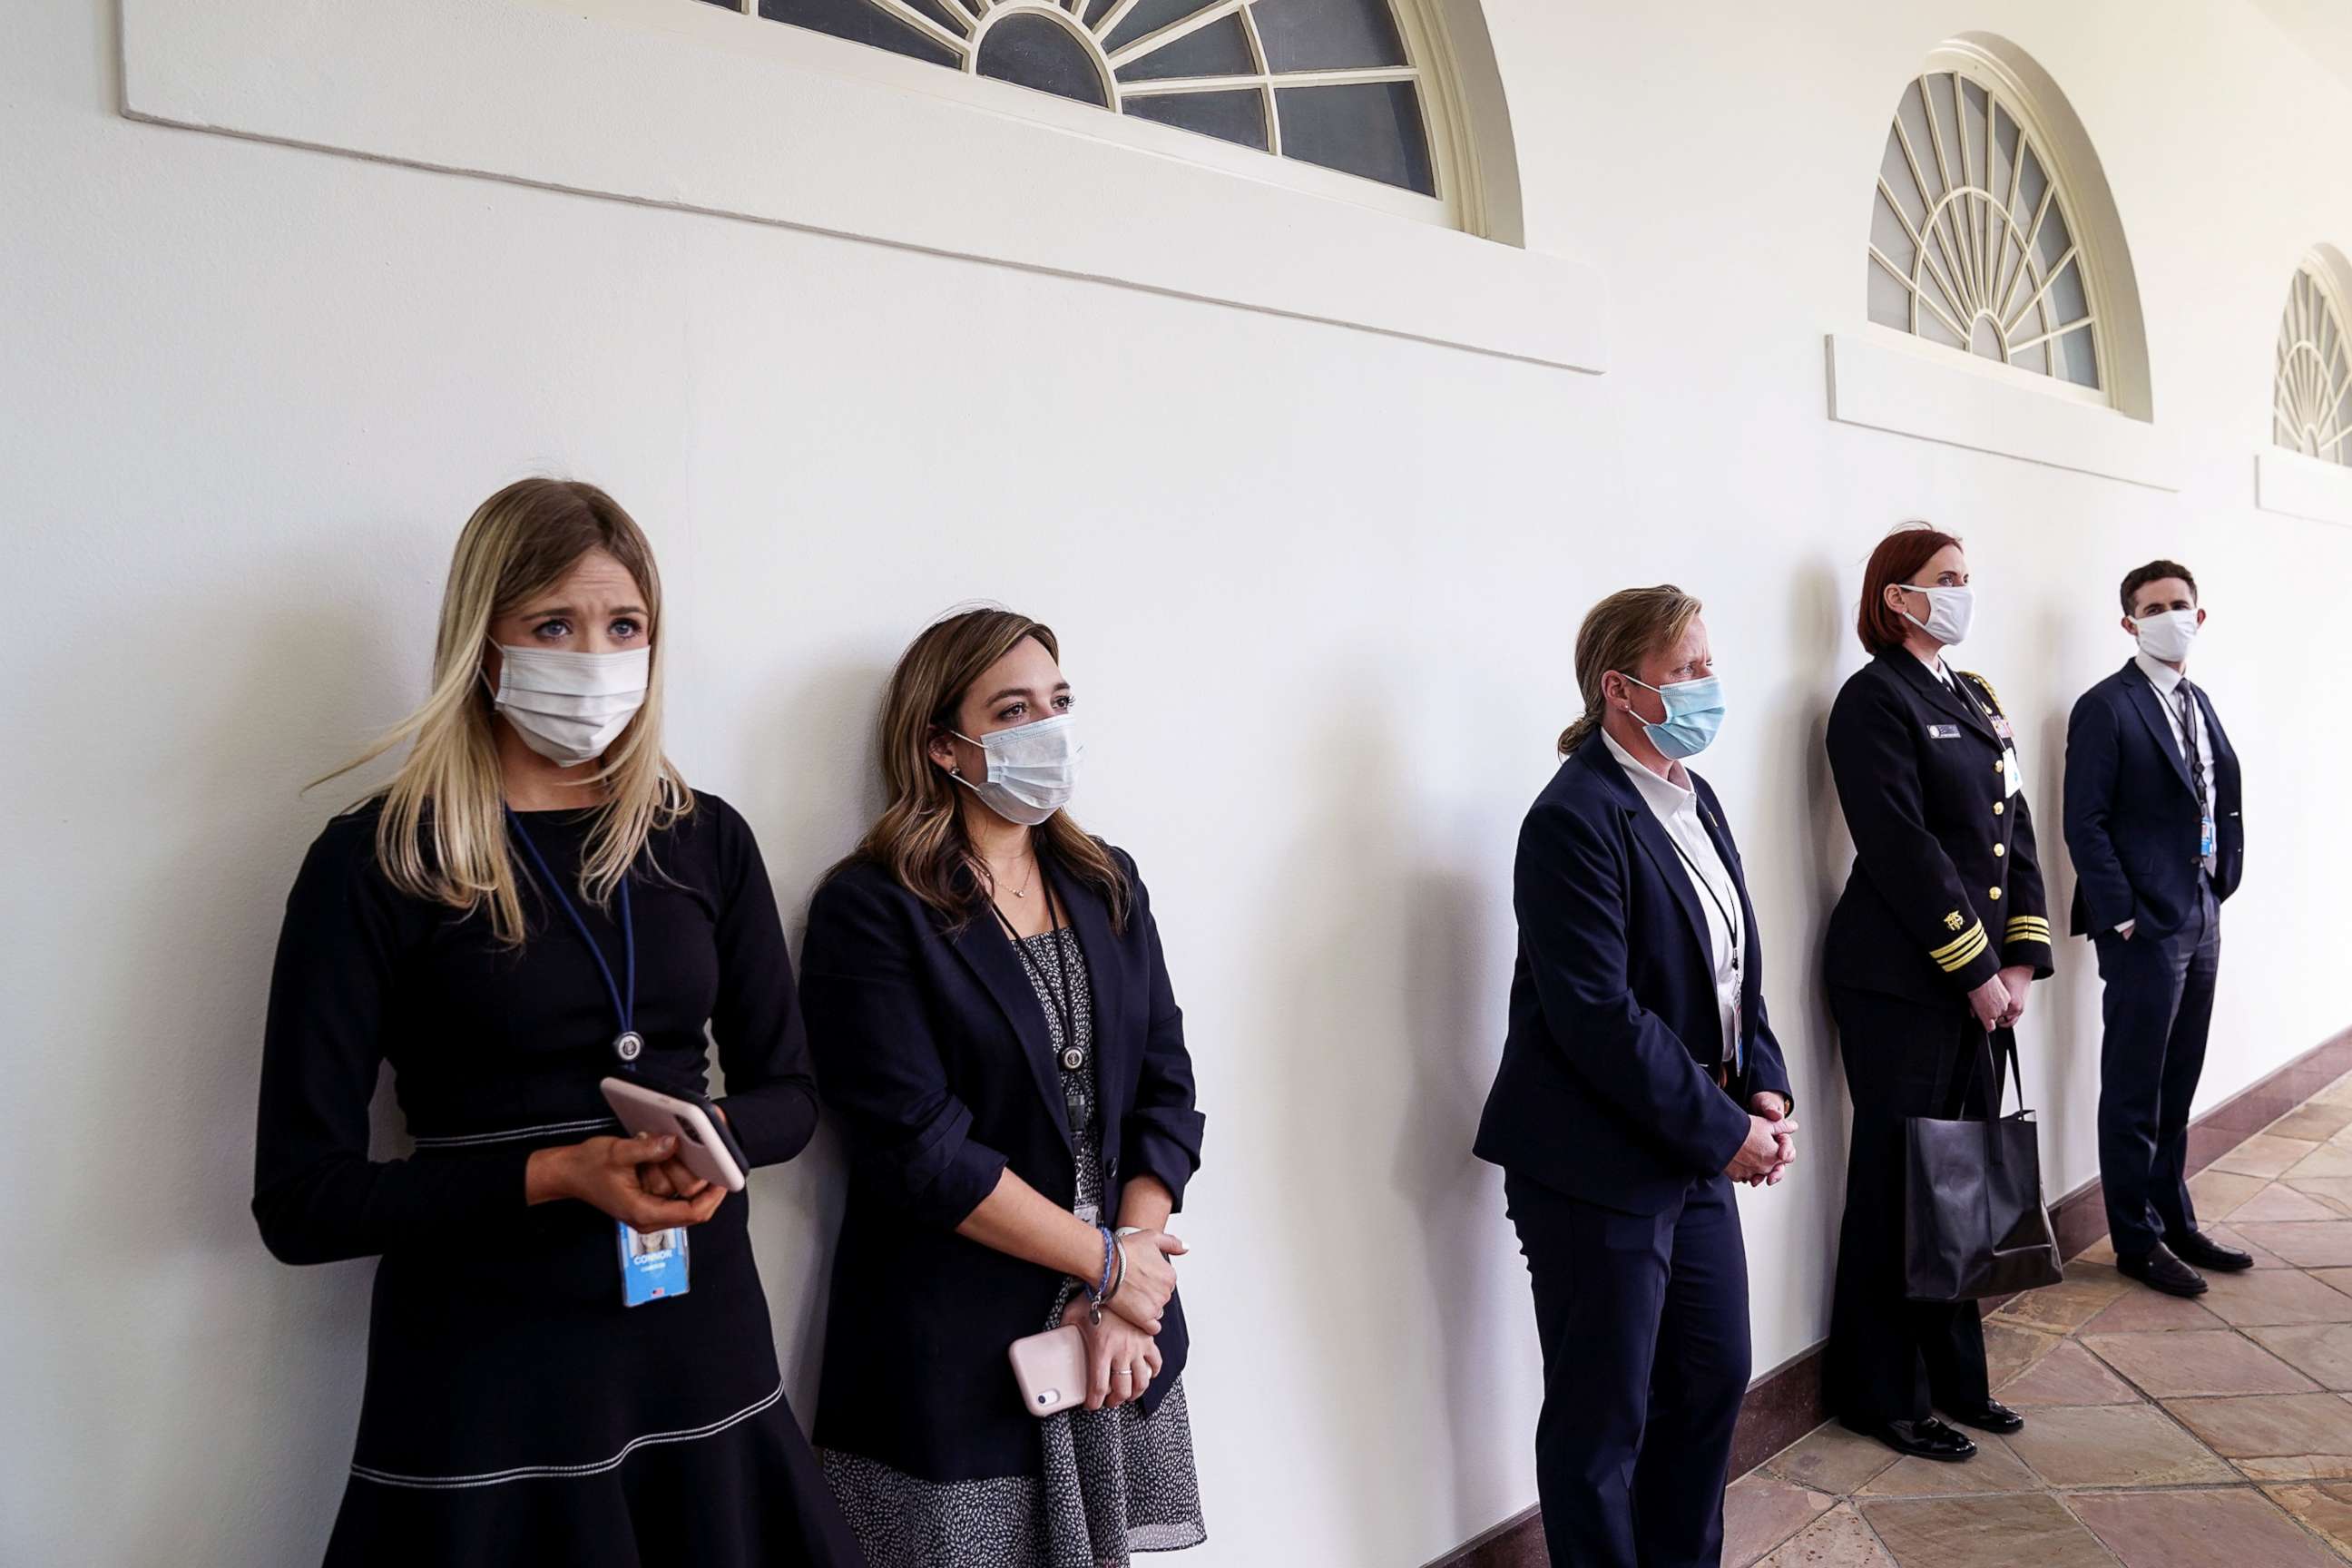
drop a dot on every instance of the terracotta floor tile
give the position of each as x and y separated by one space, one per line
2274 1296
2323 1506
2316 1119
1994 1469
2325 1244
2229 1235
1985 1533
2070 1303
1761 1510
2336 1093
2341 1278
2147 1312
2324 1351
2010 1349
2325 1160
1838 1539
2068 1376
1832 1459
2174 1365
2275 1436
2100 1251
2334 1192
2219 1192
2115 1445
2280 1202
2262 1155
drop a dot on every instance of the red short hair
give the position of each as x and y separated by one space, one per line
1898 559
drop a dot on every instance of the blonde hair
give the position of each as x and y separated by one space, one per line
442 835
921 836
1619 633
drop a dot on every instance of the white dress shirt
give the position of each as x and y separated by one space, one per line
2167 681
1676 804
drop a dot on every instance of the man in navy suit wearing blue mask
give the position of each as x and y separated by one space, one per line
2153 822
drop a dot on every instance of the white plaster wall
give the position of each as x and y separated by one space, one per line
1318 588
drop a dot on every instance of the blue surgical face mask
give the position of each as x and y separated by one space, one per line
1694 713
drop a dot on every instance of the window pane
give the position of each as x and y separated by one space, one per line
1890 303
1327 35
1149 16
1372 129
1897 175
860 24
1227 116
1221 49
1034 50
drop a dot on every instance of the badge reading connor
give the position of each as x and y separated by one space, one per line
653 1264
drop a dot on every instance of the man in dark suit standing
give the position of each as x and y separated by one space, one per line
2153 822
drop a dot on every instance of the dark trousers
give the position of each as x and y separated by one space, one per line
2158 1005
1891 1358
1643 1322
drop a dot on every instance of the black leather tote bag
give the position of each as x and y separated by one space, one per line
1974 1223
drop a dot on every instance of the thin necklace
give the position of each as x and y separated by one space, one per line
1023 890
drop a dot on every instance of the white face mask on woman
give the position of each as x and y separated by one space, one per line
569 707
1032 768
1950 613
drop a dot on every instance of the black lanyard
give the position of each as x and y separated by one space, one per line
628 1044
1073 1057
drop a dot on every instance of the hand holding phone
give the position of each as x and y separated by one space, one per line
705 1146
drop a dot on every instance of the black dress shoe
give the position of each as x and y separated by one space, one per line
1992 1415
2162 1271
1928 1439
2202 1250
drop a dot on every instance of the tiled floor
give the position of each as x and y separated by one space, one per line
2159 1433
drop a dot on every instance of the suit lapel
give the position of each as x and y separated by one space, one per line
1652 835
988 952
2141 693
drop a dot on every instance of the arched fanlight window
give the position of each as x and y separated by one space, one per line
1973 242
2308 412
1339 83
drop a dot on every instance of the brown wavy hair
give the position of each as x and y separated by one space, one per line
1618 633
1898 557
919 836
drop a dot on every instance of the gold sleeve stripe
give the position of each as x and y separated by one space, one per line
1974 933
2029 929
1965 955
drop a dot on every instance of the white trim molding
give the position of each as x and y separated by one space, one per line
1886 381
684 105
2296 486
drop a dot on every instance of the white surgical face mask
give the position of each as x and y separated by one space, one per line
2167 636
1032 768
1949 611
569 707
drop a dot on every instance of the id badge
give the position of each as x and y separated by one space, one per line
2010 771
653 1264
2205 836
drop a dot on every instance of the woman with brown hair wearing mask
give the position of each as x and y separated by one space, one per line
993 1022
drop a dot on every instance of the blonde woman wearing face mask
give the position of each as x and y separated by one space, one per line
995 1028
535 901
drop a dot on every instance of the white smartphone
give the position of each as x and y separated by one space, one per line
704 1143
1051 1368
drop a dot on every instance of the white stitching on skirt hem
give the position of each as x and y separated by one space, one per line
566 1472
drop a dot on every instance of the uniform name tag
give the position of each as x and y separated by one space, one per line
1944 731
653 1264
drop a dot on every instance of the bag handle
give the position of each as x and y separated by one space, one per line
1993 1087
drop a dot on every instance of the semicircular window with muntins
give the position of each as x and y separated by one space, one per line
2307 401
1971 244
1330 82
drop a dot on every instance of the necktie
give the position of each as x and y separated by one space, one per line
2188 706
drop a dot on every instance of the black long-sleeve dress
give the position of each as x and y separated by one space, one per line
515 1410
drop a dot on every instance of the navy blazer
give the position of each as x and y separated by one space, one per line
2131 810
1606 1088
931 1046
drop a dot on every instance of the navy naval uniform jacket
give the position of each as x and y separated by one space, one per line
1947 886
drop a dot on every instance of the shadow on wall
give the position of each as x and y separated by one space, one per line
1826 617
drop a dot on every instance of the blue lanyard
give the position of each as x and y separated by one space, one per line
628 1044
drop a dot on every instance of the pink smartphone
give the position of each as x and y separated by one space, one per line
1051 1368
